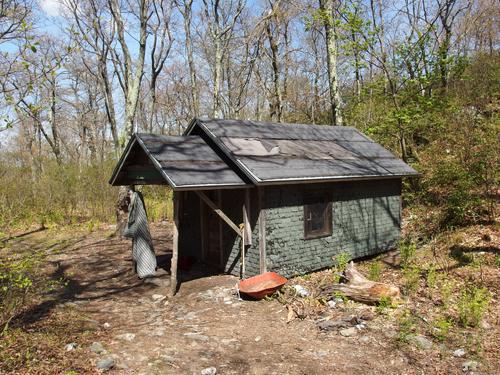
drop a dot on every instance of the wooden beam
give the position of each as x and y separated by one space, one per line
262 232
175 243
219 212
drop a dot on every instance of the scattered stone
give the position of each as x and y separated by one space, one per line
126 336
196 336
209 371
97 348
229 341
469 366
344 322
332 304
159 332
301 291
422 342
71 346
459 353
158 297
320 354
360 326
348 332
107 325
485 325
106 364
366 315
258 338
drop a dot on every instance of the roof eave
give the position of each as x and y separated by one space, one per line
292 180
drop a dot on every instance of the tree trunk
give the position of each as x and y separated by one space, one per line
360 289
331 58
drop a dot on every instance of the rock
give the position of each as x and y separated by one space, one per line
301 291
459 353
158 297
320 354
258 338
196 336
209 371
106 364
485 325
106 325
348 332
126 336
158 332
365 339
332 304
344 322
97 348
469 366
422 342
71 346
229 341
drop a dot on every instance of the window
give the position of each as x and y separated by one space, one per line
317 216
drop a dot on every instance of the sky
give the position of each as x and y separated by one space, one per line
50 7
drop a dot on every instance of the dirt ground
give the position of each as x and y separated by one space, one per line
206 325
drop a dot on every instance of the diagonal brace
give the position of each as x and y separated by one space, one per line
219 212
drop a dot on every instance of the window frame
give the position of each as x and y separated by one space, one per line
315 198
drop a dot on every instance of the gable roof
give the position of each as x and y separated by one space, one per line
271 153
184 162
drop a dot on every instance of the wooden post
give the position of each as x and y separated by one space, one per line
221 246
202 229
175 244
262 232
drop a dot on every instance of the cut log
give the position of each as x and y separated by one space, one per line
360 289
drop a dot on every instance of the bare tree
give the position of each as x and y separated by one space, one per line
220 21
186 9
327 8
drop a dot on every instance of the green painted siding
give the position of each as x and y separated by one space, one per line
366 221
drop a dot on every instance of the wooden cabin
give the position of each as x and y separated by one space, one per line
252 197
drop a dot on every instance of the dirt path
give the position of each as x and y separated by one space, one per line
206 325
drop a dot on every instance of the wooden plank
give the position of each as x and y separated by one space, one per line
219 212
202 230
262 231
246 219
221 247
175 244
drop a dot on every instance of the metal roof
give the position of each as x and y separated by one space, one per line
285 153
184 162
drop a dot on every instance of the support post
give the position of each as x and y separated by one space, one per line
262 232
175 244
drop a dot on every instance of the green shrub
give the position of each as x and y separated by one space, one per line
341 261
15 283
446 290
386 303
407 251
441 327
374 271
472 305
411 276
432 276
407 325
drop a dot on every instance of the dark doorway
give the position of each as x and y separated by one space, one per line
212 232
